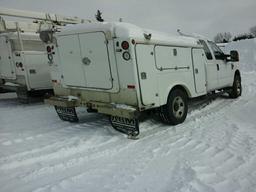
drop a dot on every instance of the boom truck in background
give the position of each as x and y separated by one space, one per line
122 70
24 65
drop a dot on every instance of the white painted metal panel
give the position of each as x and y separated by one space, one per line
212 75
226 77
125 68
70 58
171 57
199 70
147 74
7 68
37 69
96 66
212 72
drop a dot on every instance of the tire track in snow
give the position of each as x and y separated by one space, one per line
207 148
61 144
176 142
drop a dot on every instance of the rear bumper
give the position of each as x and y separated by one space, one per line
9 87
61 102
114 109
104 108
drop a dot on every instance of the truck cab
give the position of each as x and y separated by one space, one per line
220 71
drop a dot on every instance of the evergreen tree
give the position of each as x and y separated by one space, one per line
253 31
223 37
98 16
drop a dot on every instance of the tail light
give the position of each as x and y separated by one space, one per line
19 64
49 49
125 45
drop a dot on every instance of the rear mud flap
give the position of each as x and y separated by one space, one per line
125 125
23 95
67 113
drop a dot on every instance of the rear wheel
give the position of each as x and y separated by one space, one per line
2 90
175 111
236 90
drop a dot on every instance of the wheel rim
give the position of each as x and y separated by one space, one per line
178 107
238 87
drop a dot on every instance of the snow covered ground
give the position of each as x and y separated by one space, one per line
213 150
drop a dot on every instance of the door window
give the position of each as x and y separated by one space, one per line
206 50
219 55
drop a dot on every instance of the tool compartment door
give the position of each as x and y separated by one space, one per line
95 60
70 59
7 68
147 74
199 70
38 70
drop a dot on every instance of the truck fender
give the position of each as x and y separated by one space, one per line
177 86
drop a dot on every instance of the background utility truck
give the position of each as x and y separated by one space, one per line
23 60
120 70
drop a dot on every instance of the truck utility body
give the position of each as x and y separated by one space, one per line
120 69
24 65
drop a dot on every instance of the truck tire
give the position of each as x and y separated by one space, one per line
236 89
176 109
2 90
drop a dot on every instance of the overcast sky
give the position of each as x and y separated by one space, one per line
205 17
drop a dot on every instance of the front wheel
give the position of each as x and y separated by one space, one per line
175 111
236 90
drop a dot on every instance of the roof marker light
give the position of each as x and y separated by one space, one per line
131 86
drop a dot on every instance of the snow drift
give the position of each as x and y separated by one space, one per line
247 52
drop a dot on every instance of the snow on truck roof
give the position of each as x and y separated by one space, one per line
127 30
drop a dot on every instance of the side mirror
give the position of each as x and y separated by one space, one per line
234 56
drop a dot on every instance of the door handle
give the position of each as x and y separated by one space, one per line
218 67
86 61
143 75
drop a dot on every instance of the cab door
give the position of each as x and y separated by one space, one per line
224 67
212 69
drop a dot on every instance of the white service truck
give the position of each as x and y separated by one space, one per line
23 60
121 70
